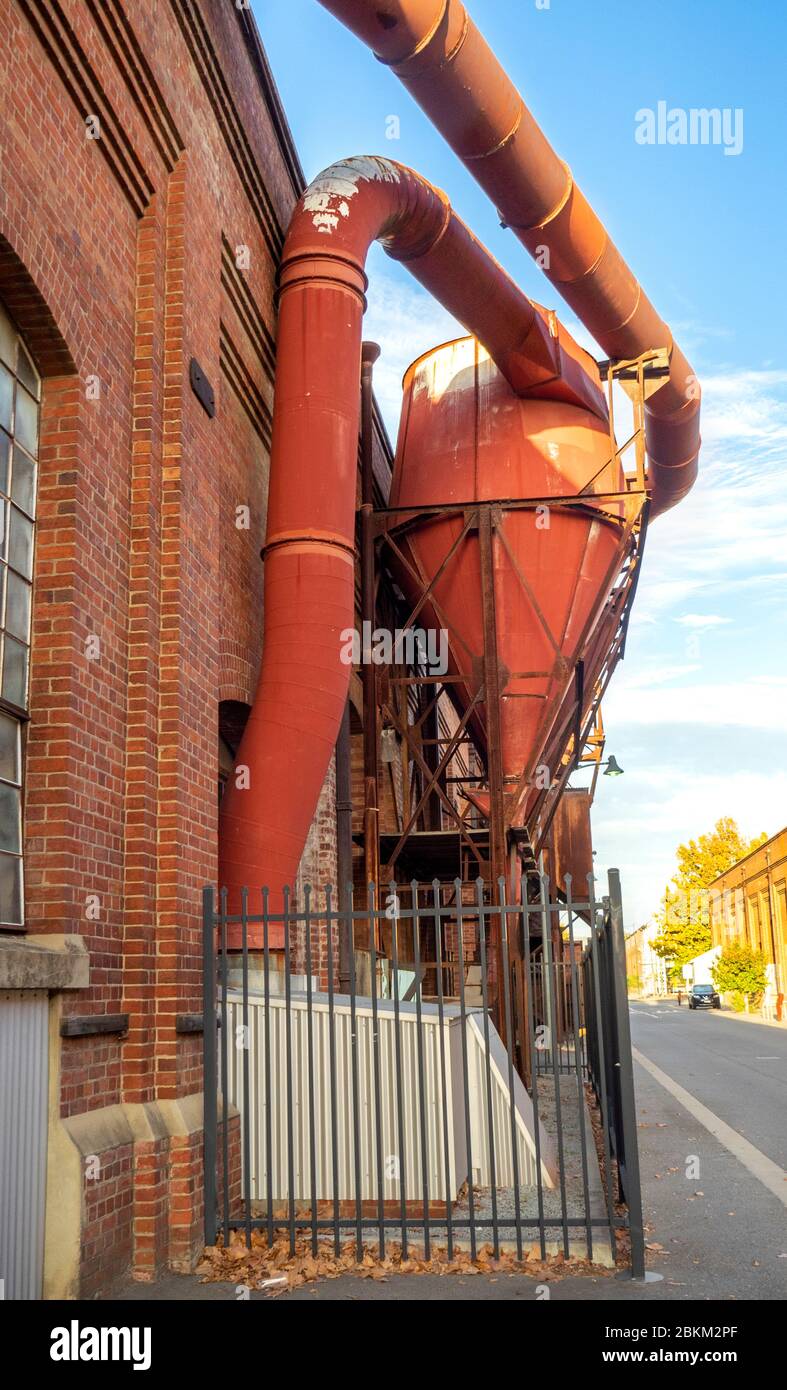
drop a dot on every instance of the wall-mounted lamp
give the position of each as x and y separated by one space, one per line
613 768
388 746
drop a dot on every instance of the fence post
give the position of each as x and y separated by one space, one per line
633 1190
209 1062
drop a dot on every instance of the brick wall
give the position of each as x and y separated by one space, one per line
108 1239
318 868
122 257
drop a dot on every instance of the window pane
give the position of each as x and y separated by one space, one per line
3 573
27 373
14 687
10 818
5 461
10 890
7 339
17 612
26 420
3 528
10 732
23 481
6 397
20 544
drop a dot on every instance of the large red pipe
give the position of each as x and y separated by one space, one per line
286 747
447 66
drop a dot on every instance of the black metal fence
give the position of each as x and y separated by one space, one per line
609 1060
431 1068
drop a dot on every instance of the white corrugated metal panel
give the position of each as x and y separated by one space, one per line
401 1155
524 1120
24 1078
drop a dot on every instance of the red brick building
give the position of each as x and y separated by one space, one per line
148 176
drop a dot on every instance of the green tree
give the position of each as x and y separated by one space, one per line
741 970
683 919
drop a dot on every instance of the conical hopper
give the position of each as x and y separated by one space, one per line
466 437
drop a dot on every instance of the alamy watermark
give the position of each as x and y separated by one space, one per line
702 904
383 646
695 125
78 1343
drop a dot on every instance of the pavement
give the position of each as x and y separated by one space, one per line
716 1230
731 1016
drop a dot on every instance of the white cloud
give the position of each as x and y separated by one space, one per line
702 620
748 407
743 704
647 673
728 539
720 555
676 807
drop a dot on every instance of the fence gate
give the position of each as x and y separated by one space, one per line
423 1069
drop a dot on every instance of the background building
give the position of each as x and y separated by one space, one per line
646 972
748 903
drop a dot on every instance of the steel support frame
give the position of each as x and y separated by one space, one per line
580 708
583 713
487 687
488 681
577 712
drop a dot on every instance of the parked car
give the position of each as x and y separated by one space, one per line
704 997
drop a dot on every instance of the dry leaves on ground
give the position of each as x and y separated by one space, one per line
275 1270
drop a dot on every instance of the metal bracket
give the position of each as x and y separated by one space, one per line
202 388
90 1025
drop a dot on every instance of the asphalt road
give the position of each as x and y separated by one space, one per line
738 1069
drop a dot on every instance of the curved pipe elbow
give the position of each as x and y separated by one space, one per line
672 434
445 63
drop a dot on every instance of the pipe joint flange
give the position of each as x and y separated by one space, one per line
317 540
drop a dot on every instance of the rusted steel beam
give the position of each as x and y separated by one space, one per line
493 690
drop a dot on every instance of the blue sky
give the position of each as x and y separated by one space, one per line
696 714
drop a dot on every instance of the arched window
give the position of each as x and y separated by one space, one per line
232 721
20 394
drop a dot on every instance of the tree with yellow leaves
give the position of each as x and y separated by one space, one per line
683 919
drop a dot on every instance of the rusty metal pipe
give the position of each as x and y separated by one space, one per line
443 60
369 354
309 553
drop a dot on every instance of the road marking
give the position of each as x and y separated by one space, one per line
766 1059
763 1168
